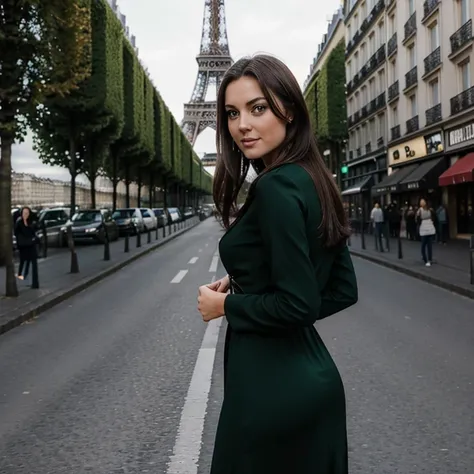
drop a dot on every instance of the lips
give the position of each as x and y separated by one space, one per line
249 141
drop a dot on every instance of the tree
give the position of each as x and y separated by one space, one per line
44 46
83 124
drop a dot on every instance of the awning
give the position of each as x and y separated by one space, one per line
362 186
391 183
425 176
461 172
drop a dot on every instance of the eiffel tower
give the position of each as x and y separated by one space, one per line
213 60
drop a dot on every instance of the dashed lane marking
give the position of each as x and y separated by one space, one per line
193 260
215 261
181 274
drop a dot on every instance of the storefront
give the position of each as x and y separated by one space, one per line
416 166
458 179
357 201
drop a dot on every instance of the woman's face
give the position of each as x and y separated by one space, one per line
255 129
25 213
422 203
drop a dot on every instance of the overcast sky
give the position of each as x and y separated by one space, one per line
169 34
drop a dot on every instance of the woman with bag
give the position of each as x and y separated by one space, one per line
26 241
289 266
427 230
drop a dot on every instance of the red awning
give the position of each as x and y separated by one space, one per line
461 172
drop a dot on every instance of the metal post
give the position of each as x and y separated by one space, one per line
387 236
362 230
156 233
45 239
400 250
34 265
70 242
139 239
376 237
106 245
127 243
148 236
164 229
471 248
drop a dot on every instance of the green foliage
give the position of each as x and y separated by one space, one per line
311 103
149 120
166 135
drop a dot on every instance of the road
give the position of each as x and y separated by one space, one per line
98 384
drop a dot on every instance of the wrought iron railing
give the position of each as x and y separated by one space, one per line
410 26
380 142
413 124
380 101
393 90
433 60
359 151
411 77
433 115
461 37
429 7
395 132
462 101
368 148
392 45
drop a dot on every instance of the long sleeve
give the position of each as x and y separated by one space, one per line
294 297
341 290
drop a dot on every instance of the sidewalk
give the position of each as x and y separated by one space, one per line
56 283
451 262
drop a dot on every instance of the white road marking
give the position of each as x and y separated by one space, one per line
193 260
206 245
200 250
181 274
187 446
213 267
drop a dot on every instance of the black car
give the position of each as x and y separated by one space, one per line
92 225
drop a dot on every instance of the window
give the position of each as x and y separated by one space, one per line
382 85
363 54
434 92
372 44
365 97
412 106
434 35
380 132
356 22
372 132
356 62
357 101
465 69
393 71
392 28
349 32
348 71
381 33
372 91
463 11
395 116
363 11
411 7
411 56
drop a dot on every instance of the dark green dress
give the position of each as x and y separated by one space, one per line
284 403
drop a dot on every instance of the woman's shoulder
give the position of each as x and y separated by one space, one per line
289 174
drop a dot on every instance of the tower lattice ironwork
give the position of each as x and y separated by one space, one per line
213 60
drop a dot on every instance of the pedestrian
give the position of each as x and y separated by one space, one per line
442 221
26 240
377 217
288 266
410 219
425 217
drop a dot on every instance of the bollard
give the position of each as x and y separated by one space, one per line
148 236
45 239
400 250
156 234
471 248
139 239
127 243
164 229
106 245
70 242
376 238
169 228
35 281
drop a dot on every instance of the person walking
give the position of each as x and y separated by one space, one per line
377 217
288 266
26 239
427 230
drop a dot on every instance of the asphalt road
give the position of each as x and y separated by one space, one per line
98 384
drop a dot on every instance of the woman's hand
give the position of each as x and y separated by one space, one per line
221 286
210 303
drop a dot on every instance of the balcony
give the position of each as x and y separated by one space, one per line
368 148
359 151
393 91
363 112
375 61
433 61
429 7
357 116
462 101
413 124
395 132
411 78
380 101
392 45
461 38
433 115
380 142
410 27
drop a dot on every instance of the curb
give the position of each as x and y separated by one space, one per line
420 276
23 315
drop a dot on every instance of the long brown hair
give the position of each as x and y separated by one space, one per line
299 146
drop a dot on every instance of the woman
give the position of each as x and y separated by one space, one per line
26 241
427 230
288 264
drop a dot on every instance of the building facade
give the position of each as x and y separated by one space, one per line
428 112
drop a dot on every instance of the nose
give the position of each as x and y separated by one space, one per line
244 123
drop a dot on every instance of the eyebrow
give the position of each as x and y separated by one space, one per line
250 102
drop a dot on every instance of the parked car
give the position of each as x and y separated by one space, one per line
129 220
161 216
53 220
175 215
149 219
92 225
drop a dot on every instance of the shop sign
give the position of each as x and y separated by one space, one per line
410 150
461 134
